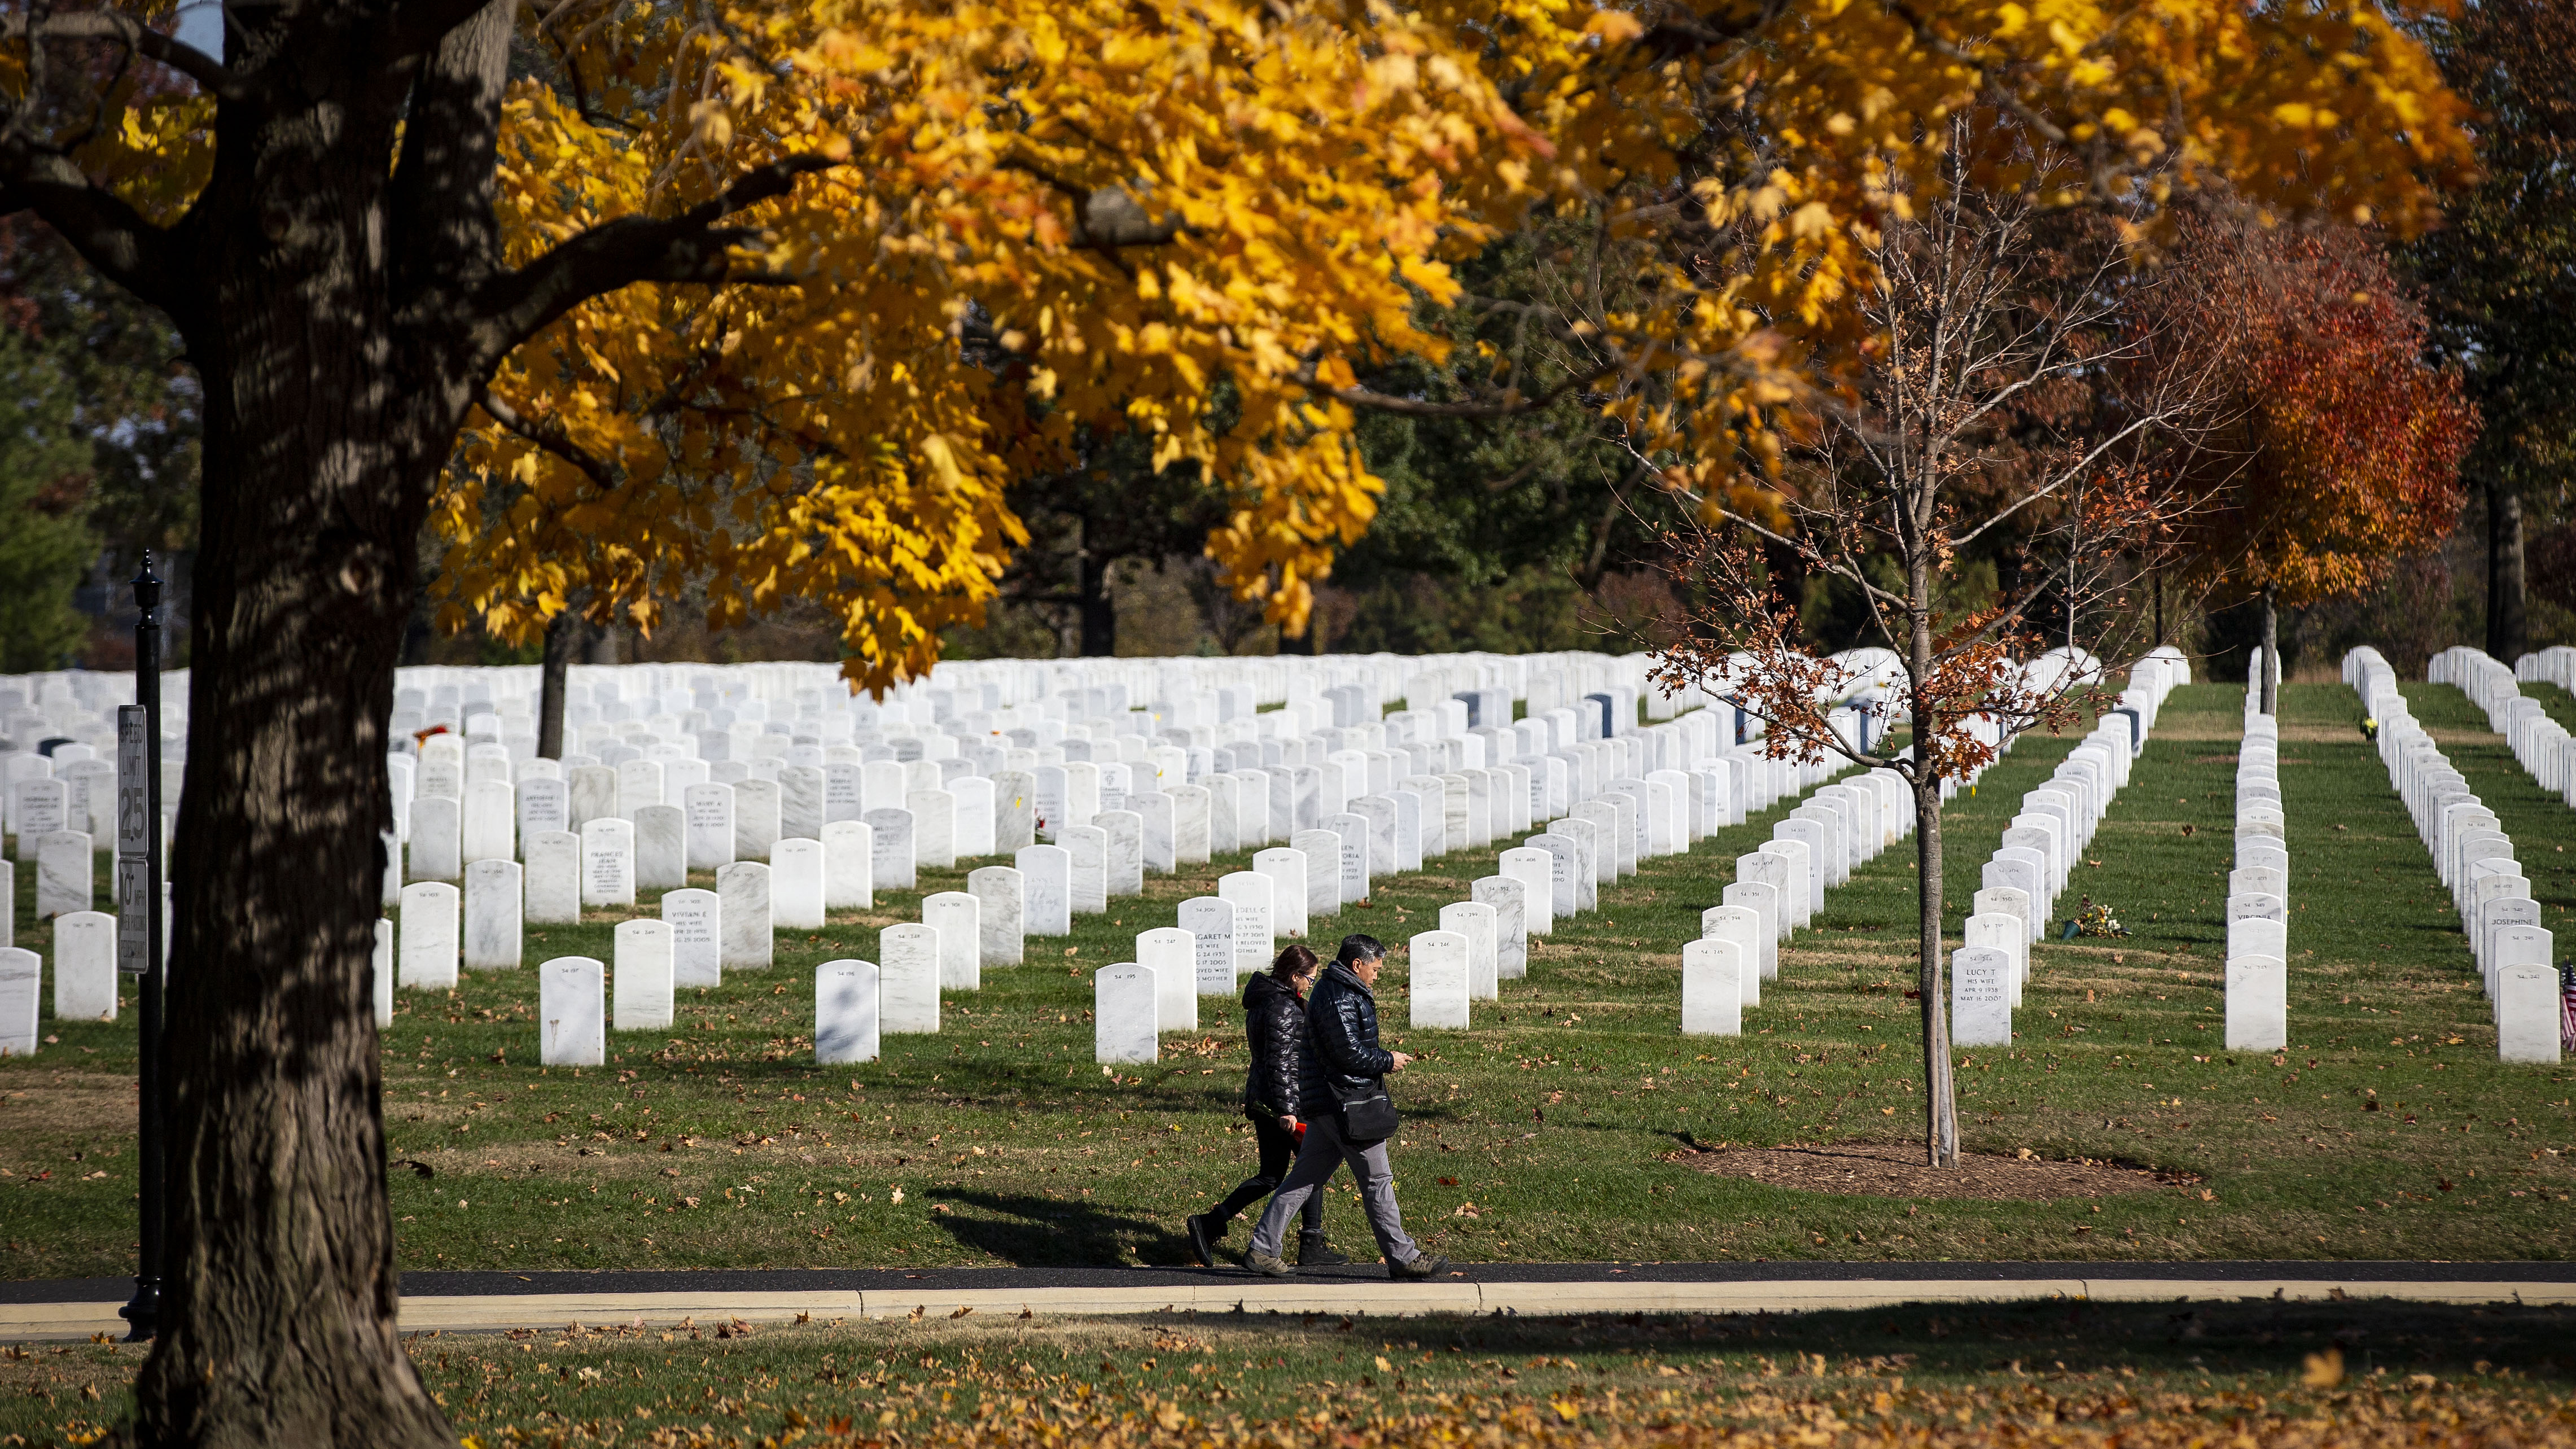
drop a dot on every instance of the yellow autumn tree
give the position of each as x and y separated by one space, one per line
1203 222
775 295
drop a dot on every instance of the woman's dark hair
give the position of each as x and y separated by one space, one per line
1294 962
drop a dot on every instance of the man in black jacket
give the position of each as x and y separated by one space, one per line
1348 1116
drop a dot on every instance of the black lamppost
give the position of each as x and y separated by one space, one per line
138 923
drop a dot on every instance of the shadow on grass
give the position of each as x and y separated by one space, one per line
1035 1232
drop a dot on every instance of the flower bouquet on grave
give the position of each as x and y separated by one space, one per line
2096 920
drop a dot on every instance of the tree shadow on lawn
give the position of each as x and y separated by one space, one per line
1930 1342
1047 1232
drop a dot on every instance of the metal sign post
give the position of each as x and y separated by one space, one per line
138 924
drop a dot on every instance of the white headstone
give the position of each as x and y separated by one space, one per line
437 840
1511 936
2005 934
1713 977
796 871
934 828
746 941
1475 921
380 973
551 884
1323 852
1254 943
1123 844
710 824
661 847
1172 954
608 862
890 831
1046 875
85 966
1286 868
2258 1003
958 917
1088 845
1535 869
1980 997
428 939
1211 920
908 986
572 1012
1123 1014
1439 980
999 923
493 908
645 951
849 866
845 1013
21 976
697 936
1741 925
488 828
65 873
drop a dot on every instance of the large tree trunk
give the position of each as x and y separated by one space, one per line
1099 610
566 633
330 406
2508 631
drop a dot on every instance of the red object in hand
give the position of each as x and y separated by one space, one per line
1301 1129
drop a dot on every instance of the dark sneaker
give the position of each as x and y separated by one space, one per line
1266 1267
1417 1268
1203 1240
1314 1252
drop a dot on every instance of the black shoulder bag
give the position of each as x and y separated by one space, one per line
1370 1119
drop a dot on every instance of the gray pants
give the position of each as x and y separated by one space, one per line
1325 1150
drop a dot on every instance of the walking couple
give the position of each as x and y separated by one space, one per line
1317 1098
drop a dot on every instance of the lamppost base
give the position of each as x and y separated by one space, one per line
144 1311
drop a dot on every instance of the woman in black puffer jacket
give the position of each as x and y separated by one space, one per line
1274 1019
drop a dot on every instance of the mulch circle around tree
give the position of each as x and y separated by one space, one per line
1893 1169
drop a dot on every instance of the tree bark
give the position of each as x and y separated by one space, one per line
1099 610
1940 1109
2270 667
2508 628
566 633
280 1298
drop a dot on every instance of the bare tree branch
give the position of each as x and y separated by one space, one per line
186 59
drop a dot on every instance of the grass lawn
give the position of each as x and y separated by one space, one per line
2090 1374
1559 1128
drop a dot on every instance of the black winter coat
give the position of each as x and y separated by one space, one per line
1347 1064
1274 1019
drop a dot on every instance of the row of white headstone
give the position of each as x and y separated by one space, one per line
2515 955
2541 745
2258 888
2041 846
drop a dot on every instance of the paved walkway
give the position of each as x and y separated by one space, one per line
80 1307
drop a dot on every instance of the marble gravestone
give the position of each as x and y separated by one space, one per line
1088 846
1254 944
493 906
796 873
661 847
1287 869
1741 925
644 975
1535 869
755 818
1123 833
1713 977
572 1012
697 947
999 924
1475 921
742 915
1511 933
551 880
1123 1013
1210 920
908 959
849 866
85 966
709 812
1439 981
2258 1002
958 918
890 835
1172 954
1046 877
845 1013
934 828
608 862
1323 851
427 944
21 973
1014 812
1980 997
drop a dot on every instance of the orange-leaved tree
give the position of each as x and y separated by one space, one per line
774 297
2344 444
